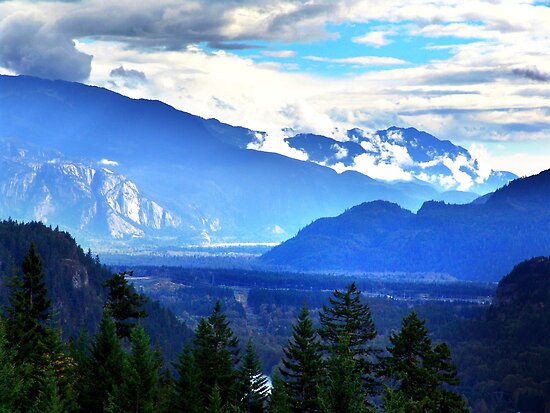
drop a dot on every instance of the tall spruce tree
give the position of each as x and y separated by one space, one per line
124 303
253 384
107 365
421 372
302 365
278 399
187 386
348 320
216 355
137 392
343 388
29 312
11 386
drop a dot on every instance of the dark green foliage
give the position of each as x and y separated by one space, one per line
29 311
106 367
216 355
124 303
215 404
138 391
302 365
278 400
11 386
421 373
187 386
347 331
343 386
252 383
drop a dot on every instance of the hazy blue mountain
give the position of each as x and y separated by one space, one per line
197 171
478 241
423 156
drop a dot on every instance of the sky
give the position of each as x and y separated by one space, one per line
473 72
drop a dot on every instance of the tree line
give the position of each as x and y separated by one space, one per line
332 368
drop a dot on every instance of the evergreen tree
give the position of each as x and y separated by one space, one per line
138 390
29 311
215 355
302 365
124 303
420 371
107 365
349 320
11 386
187 386
278 400
215 404
253 384
343 388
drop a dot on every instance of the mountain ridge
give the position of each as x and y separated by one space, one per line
473 242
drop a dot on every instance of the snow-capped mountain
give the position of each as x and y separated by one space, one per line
402 154
85 198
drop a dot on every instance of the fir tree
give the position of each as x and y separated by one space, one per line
215 355
421 372
11 386
107 366
138 390
348 320
343 388
278 400
187 386
253 384
29 311
124 303
215 404
302 365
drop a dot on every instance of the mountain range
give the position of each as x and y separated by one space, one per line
477 241
118 171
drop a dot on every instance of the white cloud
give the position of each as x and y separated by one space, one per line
108 162
279 53
359 60
375 38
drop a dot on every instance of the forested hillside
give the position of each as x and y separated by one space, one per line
75 281
478 241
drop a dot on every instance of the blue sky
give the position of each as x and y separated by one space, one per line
475 72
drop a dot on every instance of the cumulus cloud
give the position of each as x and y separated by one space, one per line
131 77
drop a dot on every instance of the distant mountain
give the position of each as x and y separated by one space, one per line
478 241
114 168
43 186
417 154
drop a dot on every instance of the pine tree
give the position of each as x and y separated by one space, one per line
35 343
302 365
349 320
343 388
420 371
215 355
124 303
187 386
253 384
278 400
11 386
29 311
107 366
138 390
215 404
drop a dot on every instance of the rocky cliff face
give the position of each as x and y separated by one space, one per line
88 198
